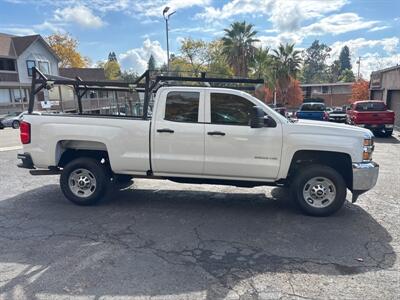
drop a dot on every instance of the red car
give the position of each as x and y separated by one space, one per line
373 115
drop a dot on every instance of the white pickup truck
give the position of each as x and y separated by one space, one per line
203 135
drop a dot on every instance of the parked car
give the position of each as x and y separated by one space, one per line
313 111
14 119
280 109
203 135
372 114
338 115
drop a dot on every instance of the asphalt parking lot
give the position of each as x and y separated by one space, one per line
161 240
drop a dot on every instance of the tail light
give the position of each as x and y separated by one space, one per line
25 132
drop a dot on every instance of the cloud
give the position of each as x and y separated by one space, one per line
337 24
285 15
375 54
80 15
379 28
136 59
18 30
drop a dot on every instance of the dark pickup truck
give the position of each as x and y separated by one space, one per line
373 115
313 111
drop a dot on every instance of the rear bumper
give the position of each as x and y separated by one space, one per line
26 159
365 175
372 127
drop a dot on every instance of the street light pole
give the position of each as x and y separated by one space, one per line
166 18
359 65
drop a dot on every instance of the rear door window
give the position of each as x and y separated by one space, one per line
182 107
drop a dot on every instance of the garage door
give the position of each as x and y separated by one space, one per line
393 102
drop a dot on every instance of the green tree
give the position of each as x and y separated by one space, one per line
315 69
129 76
196 53
239 48
112 70
260 65
334 71
112 56
151 64
286 65
347 75
217 60
344 58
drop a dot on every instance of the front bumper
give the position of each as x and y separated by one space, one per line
365 175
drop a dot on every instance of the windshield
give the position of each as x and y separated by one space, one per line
312 107
371 106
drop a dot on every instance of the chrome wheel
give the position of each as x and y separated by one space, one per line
82 183
319 192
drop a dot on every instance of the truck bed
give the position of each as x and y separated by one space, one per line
125 139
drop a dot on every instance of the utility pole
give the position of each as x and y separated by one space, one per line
166 18
359 64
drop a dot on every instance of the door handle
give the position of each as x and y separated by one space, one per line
216 133
165 130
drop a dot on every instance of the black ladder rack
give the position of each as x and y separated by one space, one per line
41 81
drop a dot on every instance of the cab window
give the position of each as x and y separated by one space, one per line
230 109
182 107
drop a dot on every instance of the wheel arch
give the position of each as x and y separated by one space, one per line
68 150
339 161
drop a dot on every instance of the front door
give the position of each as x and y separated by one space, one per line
178 133
232 147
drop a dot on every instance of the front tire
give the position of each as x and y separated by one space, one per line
319 190
84 181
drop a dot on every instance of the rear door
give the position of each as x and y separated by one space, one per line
178 133
232 148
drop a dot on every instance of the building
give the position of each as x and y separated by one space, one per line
18 54
385 85
333 94
94 101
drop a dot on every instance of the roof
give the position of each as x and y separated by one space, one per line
6 46
83 73
326 84
14 46
387 69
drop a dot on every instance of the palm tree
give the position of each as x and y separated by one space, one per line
238 46
286 65
261 62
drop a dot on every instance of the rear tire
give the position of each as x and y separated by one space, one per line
15 124
319 190
84 181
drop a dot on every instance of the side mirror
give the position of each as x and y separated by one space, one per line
257 117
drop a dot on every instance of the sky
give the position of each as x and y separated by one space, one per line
135 29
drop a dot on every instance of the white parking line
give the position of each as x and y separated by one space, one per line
10 148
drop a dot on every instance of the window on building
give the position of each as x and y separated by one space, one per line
30 64
325 89
44 67
17 95
182 107
7 64
5 96
230 109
